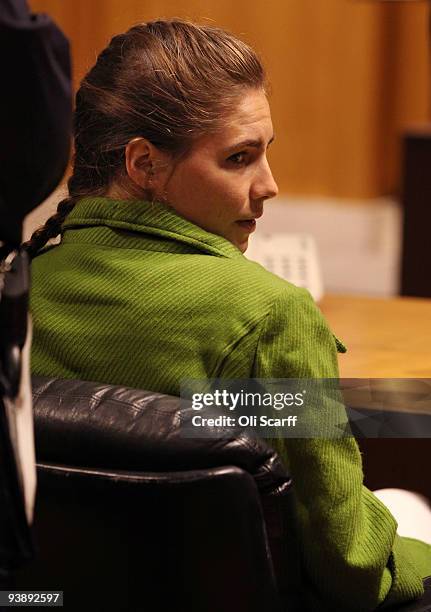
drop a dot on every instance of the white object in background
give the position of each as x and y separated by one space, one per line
291 256
20 418
411 511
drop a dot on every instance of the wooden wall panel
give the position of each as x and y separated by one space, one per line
348 76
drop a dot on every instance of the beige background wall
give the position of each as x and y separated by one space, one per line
348 77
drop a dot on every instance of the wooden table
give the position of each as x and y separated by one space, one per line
385 338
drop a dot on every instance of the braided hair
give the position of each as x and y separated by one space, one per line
52 227
169 81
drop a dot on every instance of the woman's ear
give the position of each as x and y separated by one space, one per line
148 168
140 157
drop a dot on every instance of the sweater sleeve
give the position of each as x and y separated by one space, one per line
351 557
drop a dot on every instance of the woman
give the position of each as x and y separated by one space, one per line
149 285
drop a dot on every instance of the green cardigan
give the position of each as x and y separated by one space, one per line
137 295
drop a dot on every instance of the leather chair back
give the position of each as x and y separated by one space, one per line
124 523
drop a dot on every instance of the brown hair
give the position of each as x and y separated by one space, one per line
167 81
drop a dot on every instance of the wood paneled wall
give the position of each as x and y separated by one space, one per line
348 76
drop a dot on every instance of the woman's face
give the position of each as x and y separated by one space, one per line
222 183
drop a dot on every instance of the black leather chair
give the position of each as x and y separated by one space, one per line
123 523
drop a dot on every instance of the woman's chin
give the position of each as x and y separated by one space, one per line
243 245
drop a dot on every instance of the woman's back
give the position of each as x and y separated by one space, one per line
136 295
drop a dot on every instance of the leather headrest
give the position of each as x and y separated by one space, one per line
91 424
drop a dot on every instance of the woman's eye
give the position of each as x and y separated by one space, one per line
239 159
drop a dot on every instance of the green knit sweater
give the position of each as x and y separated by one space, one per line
137 295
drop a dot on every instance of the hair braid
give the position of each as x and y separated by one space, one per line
52 227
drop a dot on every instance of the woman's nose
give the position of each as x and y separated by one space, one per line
264 186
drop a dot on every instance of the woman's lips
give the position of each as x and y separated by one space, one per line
247 224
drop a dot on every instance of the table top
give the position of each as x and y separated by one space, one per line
385 337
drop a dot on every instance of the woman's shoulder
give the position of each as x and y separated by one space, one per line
248 278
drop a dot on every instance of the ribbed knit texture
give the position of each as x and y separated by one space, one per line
137 295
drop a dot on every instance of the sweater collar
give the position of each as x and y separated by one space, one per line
153 218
